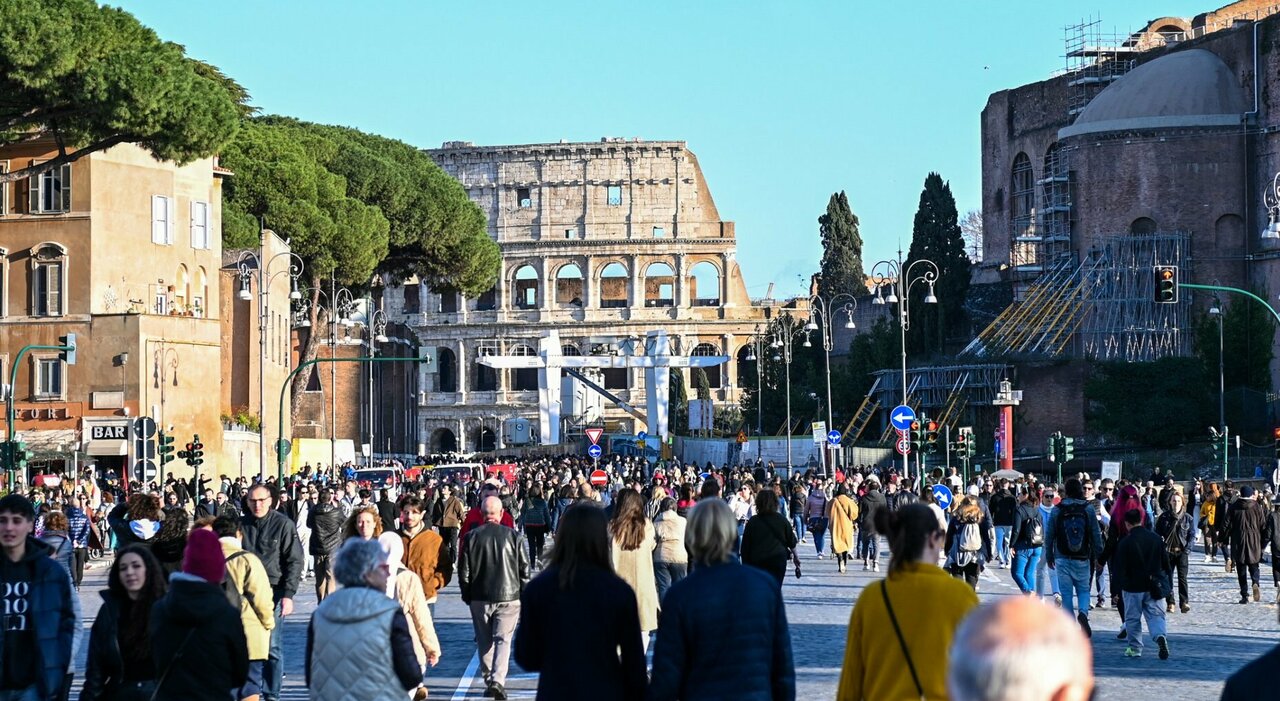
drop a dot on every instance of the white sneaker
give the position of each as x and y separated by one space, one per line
1206 558
875 567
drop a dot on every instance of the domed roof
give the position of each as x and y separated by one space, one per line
1191 88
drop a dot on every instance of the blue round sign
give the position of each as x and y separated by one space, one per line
641 436
833 437
902 416
595 452
942 495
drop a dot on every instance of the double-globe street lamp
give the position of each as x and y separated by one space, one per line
755 352
261 272
786 329
377 331
341 305
824 308
896 275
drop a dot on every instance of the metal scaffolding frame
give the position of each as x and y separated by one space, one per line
1125 322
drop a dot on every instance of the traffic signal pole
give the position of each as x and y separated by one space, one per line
10 411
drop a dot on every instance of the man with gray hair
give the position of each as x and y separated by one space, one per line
493 568
1020 649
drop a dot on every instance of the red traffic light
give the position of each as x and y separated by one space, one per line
1276 433
933 426
915 426
190 447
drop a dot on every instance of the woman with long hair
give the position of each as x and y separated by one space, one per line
169 543
633 544
119 666
364 523
842 519
1127 498
767 541
535 517
136 520
577 615
901 627
969 541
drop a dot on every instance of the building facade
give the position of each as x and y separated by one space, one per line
602 242
123 251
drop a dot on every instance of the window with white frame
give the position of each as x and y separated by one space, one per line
50 191
199 224
48 280
161 220
48 377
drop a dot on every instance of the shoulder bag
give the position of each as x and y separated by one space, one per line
884 591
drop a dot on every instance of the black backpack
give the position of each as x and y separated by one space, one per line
1072 535
233 594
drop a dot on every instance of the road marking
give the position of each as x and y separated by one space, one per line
464 683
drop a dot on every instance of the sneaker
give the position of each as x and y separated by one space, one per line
1057 600
1124 633
865 566
1102 603
875 567
1257 593
1132 652
1169 608
1186 608
1163 643
819 556
1206 558
1084 624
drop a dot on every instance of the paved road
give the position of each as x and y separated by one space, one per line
1208 644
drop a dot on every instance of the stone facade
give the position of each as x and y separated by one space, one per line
600 241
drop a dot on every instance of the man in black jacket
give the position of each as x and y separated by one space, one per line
493 568
868 540
325 521
1248 527
1141 569
271 536
1003 506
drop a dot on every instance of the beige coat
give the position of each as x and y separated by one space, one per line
257 615
421 627
843 513
668 529
636 568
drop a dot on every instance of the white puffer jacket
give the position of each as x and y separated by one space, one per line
351 648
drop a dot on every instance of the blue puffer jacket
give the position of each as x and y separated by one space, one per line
51 615
714 646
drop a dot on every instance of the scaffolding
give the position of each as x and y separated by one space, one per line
1126 323
1096 59
942 392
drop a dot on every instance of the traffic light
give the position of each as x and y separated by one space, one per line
18 455
1067 446
1275 433
931 436
166 448
186 454
917 436
1166 291
68 342
197 452
1052 449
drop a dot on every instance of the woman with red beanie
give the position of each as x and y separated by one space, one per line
197 640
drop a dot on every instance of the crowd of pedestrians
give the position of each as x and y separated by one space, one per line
198 590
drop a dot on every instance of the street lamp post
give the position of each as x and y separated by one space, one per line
341 305
825 307
261 271
897 275
787 330
377 331
1216 310
755 354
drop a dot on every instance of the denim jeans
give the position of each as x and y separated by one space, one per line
1075 577
667 573
1139 605
1002 543
1045 578
819 534
273 668
869 546
798 520
1103 581
1024 568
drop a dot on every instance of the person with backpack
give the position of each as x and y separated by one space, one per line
968 544
1027 542
248 590
1075 542
1174 526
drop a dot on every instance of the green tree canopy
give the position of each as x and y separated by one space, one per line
1161 403
841 270
90 77
936 236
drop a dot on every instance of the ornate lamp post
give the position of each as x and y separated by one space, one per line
899 280
341 305
824 308
261 272
786 329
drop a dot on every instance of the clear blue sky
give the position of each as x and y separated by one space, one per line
783 102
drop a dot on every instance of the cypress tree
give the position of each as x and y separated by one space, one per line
936 236
841 270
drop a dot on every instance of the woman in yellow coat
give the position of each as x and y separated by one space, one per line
842 517
902 625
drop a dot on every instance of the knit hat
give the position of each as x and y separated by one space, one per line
203 556
1246 491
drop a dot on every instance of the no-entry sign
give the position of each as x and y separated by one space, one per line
599 478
